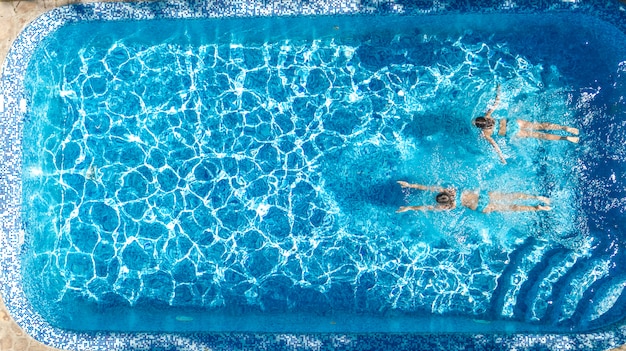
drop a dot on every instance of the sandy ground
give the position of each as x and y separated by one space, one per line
14 16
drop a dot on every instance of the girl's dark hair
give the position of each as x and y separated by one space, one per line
484 123
445 198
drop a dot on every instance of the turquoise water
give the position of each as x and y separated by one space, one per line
241 175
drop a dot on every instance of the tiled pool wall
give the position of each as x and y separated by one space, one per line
13 106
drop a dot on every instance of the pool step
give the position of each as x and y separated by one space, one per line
607 301
549 284
589 292
521 262
575 287
536 293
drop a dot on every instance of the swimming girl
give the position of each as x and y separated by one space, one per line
519 128
477 201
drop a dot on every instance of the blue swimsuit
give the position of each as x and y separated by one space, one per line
512 127
483 201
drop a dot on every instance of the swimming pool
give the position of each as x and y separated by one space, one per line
309 163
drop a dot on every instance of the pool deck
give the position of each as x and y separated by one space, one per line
14 16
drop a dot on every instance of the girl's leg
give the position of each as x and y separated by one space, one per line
546 126
515 208
496 196
525 133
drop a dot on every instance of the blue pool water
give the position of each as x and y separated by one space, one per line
240 175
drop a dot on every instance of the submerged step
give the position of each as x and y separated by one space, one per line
540 297
605 298
519 276
583 276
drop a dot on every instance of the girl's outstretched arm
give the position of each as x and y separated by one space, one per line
495 146
420 186
415 208
495 103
